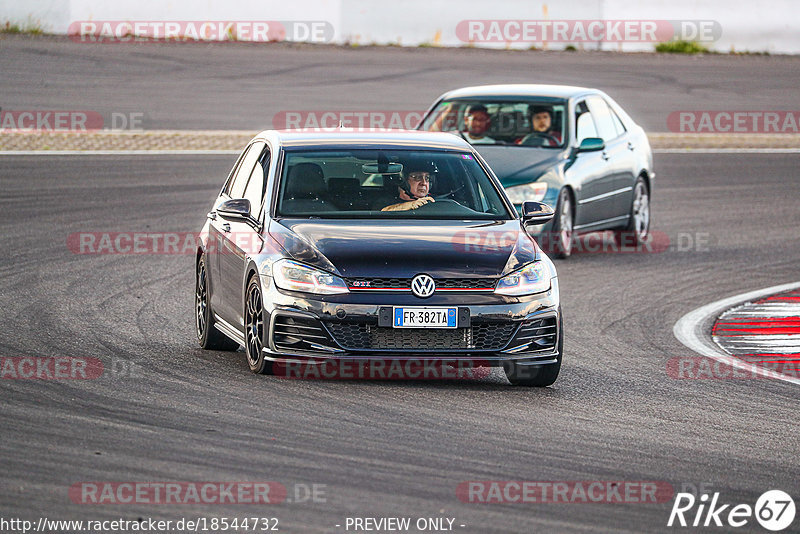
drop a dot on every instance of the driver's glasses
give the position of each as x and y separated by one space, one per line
419 177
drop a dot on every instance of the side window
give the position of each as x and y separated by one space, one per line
602 118
584 126
234 170
237 185
254 192
617 122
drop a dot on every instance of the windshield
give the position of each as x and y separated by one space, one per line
387 184
515 123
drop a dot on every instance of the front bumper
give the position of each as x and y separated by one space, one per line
492 328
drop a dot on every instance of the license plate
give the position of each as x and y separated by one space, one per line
424 317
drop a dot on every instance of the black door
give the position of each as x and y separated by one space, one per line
244 238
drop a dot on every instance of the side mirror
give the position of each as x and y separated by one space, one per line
591 144
536 213
237 209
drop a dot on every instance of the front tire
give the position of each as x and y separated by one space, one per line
254 329
209 337
561 237
638 229
537 376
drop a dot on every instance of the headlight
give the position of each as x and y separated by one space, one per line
295 276
533 278
532 191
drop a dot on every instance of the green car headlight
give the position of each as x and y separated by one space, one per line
532 191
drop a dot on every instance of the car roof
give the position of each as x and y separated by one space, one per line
366 138
520 90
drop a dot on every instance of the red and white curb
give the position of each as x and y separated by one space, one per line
765 332
758 336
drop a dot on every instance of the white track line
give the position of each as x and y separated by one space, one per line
726 151
690 330
236 152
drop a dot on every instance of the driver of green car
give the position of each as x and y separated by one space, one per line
541 118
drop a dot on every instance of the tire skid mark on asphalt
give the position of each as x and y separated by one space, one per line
751 331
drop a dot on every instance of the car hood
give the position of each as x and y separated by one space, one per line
516 165
405 248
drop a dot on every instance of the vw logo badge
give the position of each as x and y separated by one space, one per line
422 286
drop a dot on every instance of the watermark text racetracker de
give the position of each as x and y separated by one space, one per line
66 368
359 120
702 368
564 491
200 492
400 368
586 31
180 243
79 121
50 368
734 121
183 31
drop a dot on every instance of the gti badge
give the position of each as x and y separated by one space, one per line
422 286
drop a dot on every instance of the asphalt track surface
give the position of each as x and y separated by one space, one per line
383 448
242 86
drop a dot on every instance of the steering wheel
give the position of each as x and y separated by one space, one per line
444 196
445 205
532 139
441 201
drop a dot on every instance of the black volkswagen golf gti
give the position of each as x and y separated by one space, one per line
353 246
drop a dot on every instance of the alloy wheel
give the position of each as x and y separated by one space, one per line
201 300
641 211
254 324
565 225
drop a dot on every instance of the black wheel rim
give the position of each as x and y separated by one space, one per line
254 324
200 301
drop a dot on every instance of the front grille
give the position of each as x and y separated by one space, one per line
537 335
482 336
295 333
465 283
391 283
405 283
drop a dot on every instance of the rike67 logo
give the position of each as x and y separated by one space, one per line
774 510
